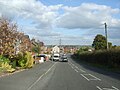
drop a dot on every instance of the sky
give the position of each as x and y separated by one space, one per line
75 22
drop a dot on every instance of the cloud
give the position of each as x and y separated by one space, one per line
114 34
88 15
44 21
41 15
41 33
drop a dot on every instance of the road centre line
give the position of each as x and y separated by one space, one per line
41 76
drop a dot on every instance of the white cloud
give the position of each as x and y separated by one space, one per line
40 14
45 19
87 16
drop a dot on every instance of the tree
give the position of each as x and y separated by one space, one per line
36 49
109 45
8 33
12 41
99 42
36 46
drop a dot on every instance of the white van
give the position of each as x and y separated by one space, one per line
56 57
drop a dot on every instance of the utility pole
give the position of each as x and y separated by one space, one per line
60 44
106 35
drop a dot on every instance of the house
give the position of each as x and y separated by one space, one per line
55 49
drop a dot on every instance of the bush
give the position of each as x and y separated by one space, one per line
30 60
4 59
21 60
13 63
5 64
6 67
25 60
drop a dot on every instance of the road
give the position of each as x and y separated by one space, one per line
61 76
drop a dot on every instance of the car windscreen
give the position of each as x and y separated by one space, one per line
64 56
56 56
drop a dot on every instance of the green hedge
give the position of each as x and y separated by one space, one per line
109 58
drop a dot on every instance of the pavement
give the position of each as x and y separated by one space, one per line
69 75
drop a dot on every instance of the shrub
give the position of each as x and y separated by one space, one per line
25 60
14 64
6 67
30 60
4 59
21 60
5 64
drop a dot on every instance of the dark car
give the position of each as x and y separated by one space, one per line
64 58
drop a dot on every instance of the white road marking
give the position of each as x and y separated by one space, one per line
41 76
113 88
69 64
85 77
81 70
76 70
76 67
95 77
99 88
72 67
92 77
72 64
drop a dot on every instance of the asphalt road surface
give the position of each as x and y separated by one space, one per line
61 76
